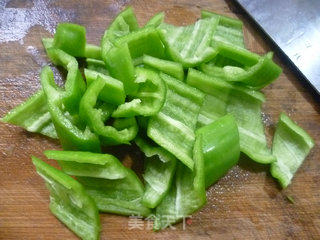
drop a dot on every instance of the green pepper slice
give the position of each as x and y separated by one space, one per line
173 127
243 103
123 130
291 145
115 188
148 100
32 115
186 195
220 147
159 171
71 135
69 202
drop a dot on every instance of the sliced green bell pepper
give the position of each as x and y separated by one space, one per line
220 147
148 100
122 25
71 38
123 130
113 91
189 45
115 188
159 171
243 103
173 127
74 85
71 135
97 65
173 69
143 41
32 115
186 195
251 70
120 66
291 145
69 202
156 20
229 30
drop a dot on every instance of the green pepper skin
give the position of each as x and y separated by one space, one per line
113 91
291 145
70 38
186 195
123 130
74 85
97 65
69 202
115 188
160 168
70 135
173 127
189 45
148 100
173 69
32 115
156 20
229 30
220 147
243 103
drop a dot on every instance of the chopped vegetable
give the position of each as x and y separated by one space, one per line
243 103
69 202
159 172
149 98
291 145
71 134
115 188
173 127
122 131
189 45
113 91
229 30
32 115
186 195
138 93
220 147
171 68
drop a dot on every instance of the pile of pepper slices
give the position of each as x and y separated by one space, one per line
187 96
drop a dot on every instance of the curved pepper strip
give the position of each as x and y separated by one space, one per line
173 69
123 24
70 136
115 188
243 103
97 65
220 147
113 91
32 115
120 66
69 202
143 41
254 71
173 127
159 171
291 145
189 45
122 131
186 195
149 98
156 20
229 30
71 38
74 85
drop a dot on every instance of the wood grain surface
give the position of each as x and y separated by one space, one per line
245 204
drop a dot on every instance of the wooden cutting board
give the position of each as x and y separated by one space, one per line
245 204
